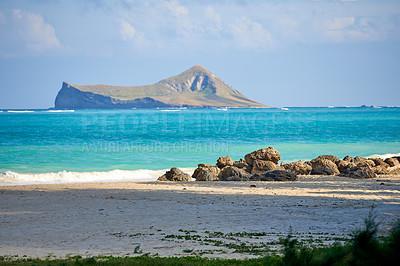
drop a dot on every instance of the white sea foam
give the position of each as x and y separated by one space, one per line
60 111
170 110
25 111
222 109
383 156
10 178
284 108
331 106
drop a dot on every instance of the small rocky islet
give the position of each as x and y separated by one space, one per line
262 165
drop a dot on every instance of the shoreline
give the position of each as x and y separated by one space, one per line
13 178
103 218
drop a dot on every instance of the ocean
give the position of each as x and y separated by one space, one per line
58 146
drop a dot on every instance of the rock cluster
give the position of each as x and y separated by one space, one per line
262 165
174 174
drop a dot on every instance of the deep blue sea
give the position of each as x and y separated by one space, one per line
44 141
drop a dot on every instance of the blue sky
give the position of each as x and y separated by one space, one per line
280 53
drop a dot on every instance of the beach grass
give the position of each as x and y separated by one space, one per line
364 248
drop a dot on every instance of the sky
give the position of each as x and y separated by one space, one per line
279 53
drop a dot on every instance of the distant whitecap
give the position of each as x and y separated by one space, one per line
170 110
25 111
61 111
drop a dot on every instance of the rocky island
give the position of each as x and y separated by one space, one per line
195 88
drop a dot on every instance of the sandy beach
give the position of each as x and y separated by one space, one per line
133 218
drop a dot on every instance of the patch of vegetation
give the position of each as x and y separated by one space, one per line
364 248
140 260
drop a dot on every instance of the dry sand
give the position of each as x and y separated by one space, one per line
115 218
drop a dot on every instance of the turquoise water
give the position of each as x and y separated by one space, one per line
103 140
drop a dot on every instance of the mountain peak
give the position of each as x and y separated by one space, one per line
196 70
199 68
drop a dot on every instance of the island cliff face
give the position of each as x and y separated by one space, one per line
195 88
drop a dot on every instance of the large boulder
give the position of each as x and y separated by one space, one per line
323 167
343 165
358 159
174 174
348 158
392 161
359 171
298 168
260 167
362 161
224 161
381 170
232 173
380 162
395 170
260 177
275 175
332 158
206 172
243 165
268 154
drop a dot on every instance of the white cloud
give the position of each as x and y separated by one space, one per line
163 26
127 31
130 34
340 23
2 17
38 35
251 35
350 29
212 15
176 8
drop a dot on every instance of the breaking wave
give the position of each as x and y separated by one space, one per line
10 178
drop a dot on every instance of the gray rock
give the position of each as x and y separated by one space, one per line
268 154
299 167
260 167
281 175
260 177
232 173
206 172
224 161
359 171
174 174
323 167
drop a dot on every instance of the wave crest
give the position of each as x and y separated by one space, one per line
10 178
